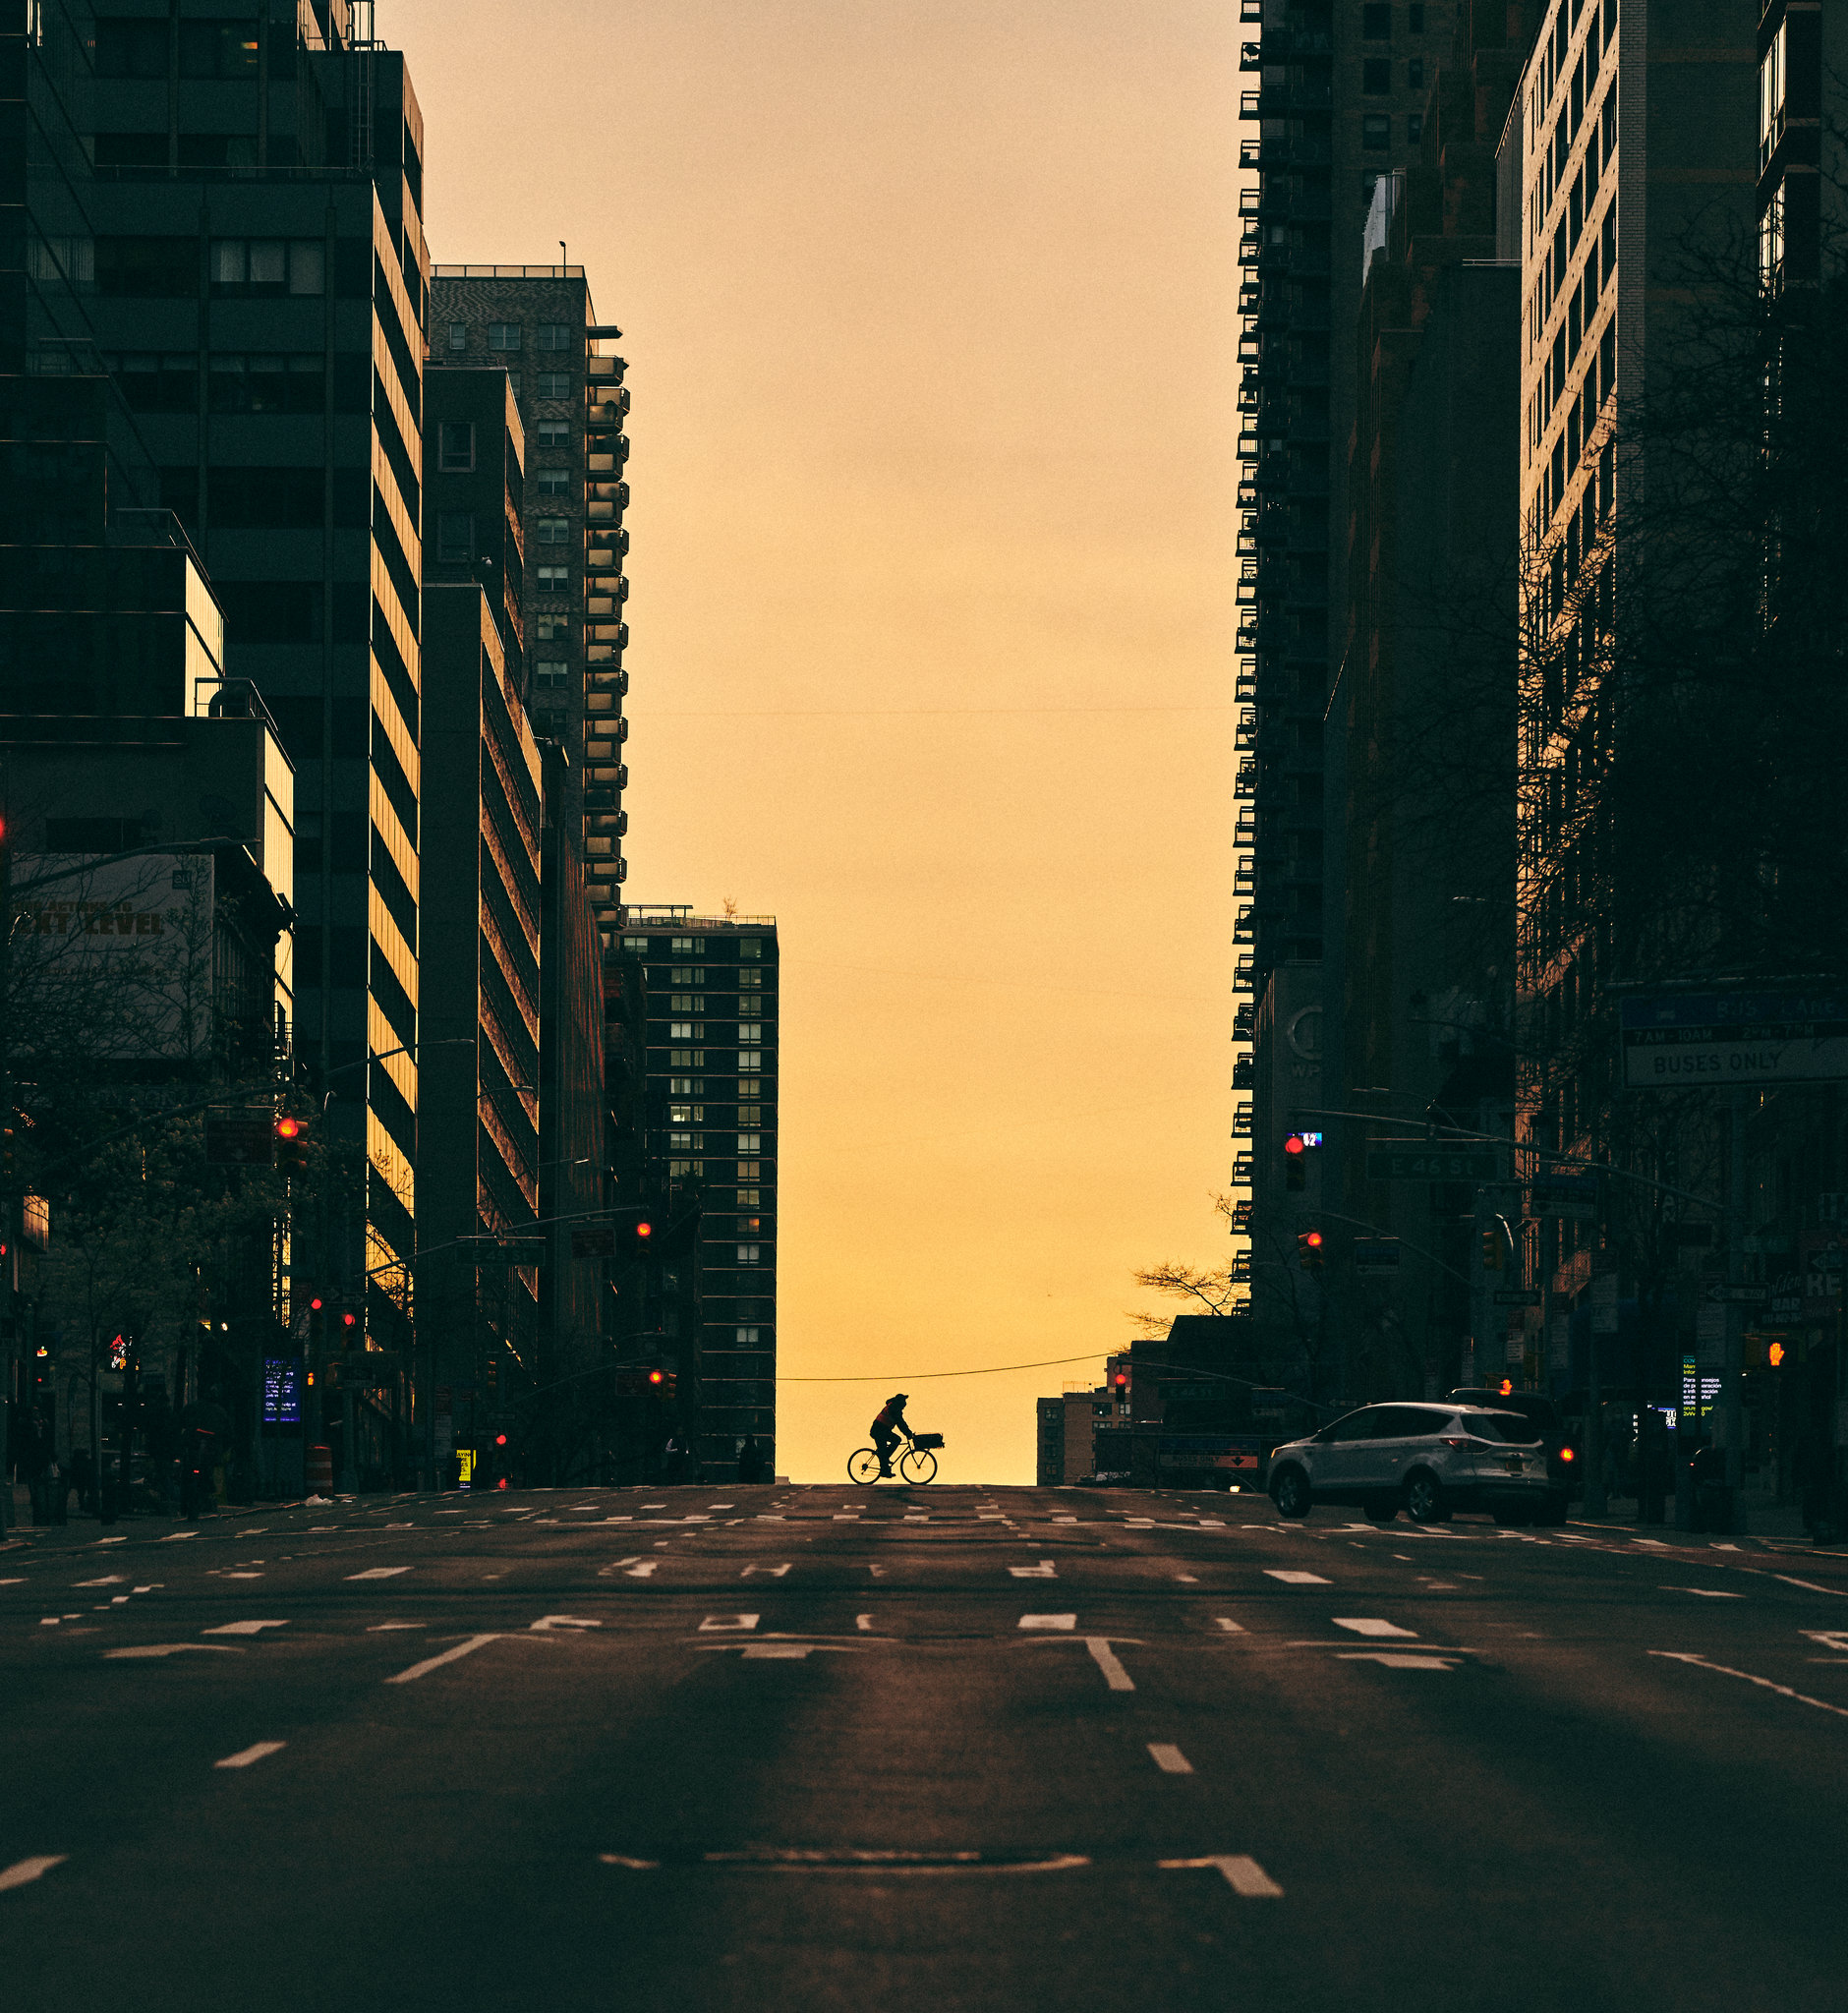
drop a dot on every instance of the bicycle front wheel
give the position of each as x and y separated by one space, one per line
918 1464
864 1466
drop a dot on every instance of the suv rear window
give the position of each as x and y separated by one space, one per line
1501 1426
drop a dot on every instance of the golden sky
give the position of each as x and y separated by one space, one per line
929 307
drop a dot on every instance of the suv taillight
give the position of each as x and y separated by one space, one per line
1449 1441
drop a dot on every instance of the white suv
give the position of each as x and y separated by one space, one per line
1426 1459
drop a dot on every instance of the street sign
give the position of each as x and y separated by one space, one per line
1376 1256
1674 1041
1569 1197
1432 1164
241 1138
594 1240
1743 1296
1516 1297
512 1250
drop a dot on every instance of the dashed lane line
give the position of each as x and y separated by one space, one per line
466 1647
1243 1874
1291 1579
1370 1625
1169 1758
23 1872
257 1752
1767 1684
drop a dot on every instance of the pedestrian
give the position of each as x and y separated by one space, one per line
750 1459
32 1457
83 1479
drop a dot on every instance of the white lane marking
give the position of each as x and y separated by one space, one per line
242 1576
917 1517
1830 1639
709 1505
1228 1626
23 1872
466 1647
715 1623
246 1755
564 1622
107 1580
1809 1586
770 1572
846 1516
1706 1592
1169 1758
17 1582
782 1652
242 1628
379 1573
380 1628
1189 1579
143 1651
1244 1876
1656 1543
1783 1690
1212 1523
174 1536
1370 1625
257 1529
1716 1546
1392 1659
1047 1622
1045 1569
878 1571
653 1506
1104 1658
863 1622
616 1858
769 1518
1291 1579
1065 1520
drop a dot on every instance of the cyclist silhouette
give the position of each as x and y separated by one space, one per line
887 1428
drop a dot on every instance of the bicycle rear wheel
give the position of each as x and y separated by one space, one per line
864 1466
918 1464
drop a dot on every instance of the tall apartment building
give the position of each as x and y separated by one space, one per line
257 277
1427 708
540 323
712 1019
1339 101
478 1176
1634 142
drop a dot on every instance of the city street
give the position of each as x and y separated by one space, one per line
729 1748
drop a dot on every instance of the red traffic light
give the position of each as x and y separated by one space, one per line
348 1319
1294 1144
288 1129
1313 1239
500 1439
643 1230
315 1304
657 1376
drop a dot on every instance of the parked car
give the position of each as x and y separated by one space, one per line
1430 1459
1563 1459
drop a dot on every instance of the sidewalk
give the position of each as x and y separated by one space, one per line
1764 1517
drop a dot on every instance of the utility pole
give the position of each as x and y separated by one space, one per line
1732 1412
9 1186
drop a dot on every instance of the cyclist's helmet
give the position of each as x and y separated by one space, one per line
899 1398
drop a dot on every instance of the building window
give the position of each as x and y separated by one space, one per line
458 335
553 384
1376 130
750 1254
551 629
551 531
455 538
554 580
455 447
684 946
746 1338
751 946
551 671
750 1142
1377 76
1376 22
268 265
1414 73
554 433
553 335
1415 17
750 1171
556 482
682 1031
750 1031
1415 126
504 335
1772 84
748 1198
1772 243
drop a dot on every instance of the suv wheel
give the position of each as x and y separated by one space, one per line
1289 1491
1424 1497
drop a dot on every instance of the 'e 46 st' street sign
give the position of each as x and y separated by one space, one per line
1674 1041
1432 1164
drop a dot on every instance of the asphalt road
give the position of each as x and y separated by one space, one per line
813 1749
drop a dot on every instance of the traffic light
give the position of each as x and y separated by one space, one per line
662 1383
1505 1387
349 1328
292 1145
498 1458
1119 1384
317 1317
1309 1251
1774 1355
1491 1250
1296 1166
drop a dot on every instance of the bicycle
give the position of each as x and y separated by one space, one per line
917 1463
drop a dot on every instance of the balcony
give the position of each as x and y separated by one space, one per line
1241 1122
1245 735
